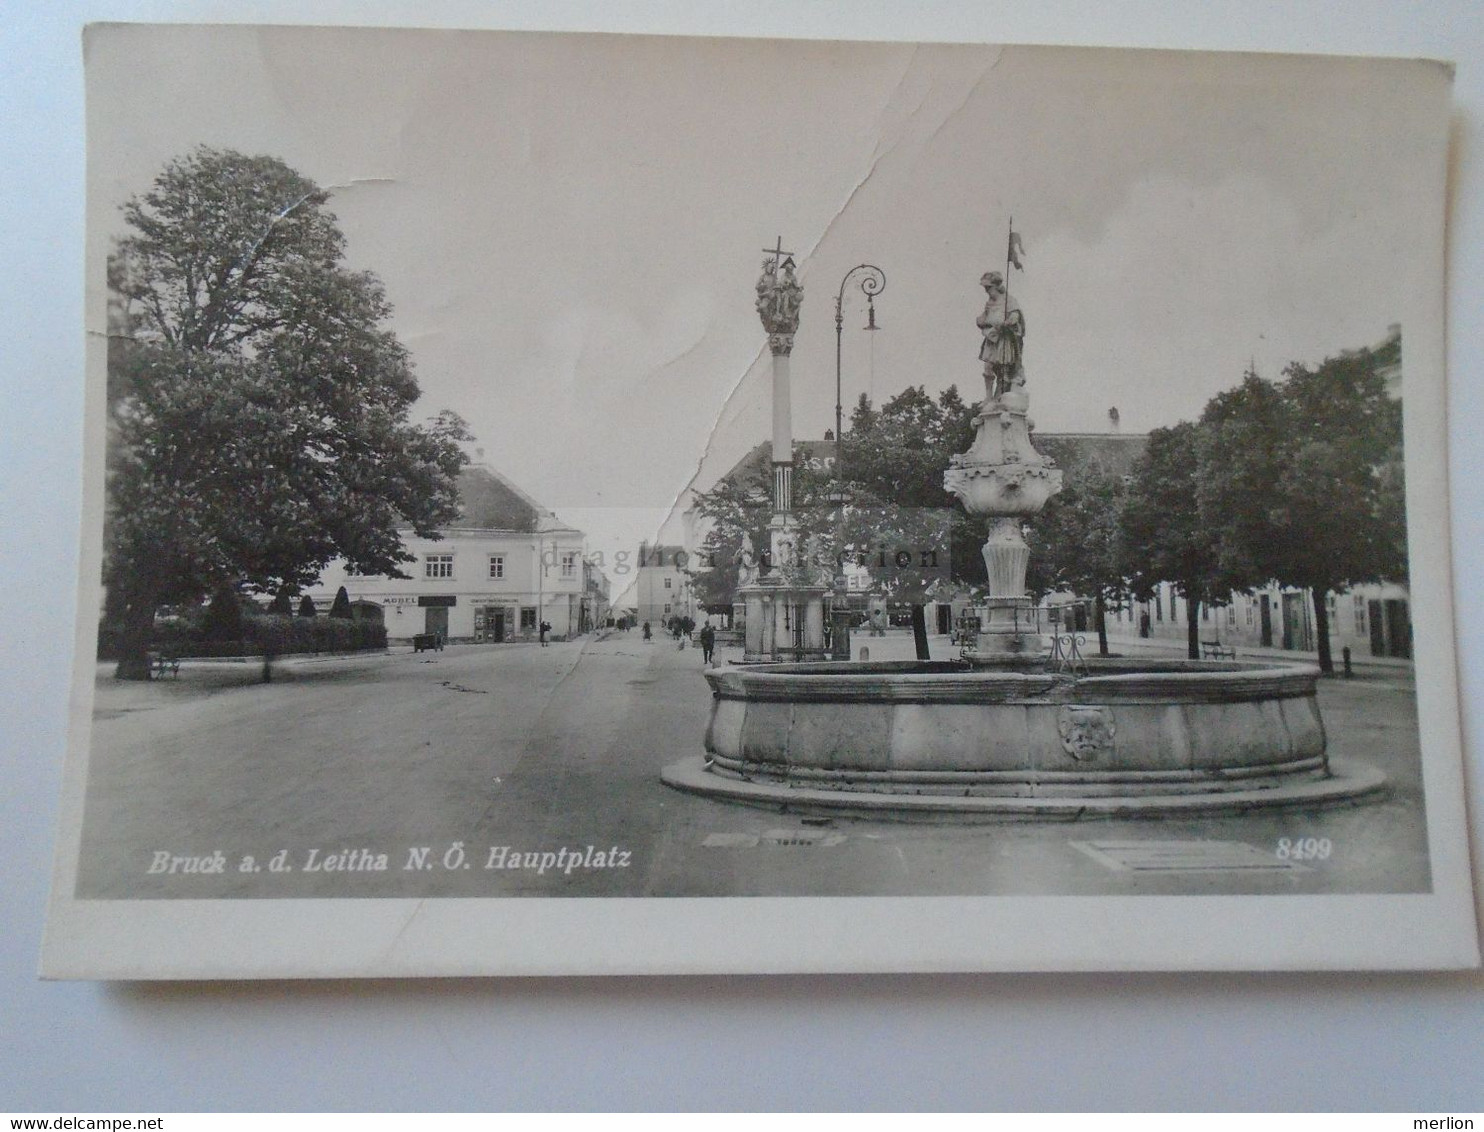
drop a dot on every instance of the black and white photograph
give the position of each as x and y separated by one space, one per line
588 503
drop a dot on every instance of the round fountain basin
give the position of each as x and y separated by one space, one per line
947 736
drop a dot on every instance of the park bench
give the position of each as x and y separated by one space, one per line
1215 650
161 663
427 641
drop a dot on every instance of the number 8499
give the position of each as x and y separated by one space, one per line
1304 848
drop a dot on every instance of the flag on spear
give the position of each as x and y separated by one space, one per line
1015 250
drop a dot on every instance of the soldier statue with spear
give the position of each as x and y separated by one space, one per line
1003 329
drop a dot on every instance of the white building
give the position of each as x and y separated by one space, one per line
508 567
662 587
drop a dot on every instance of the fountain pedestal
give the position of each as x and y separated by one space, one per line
1005 479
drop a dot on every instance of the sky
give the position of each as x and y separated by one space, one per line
570 227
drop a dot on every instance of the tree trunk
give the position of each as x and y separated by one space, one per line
1321 629
919 631
1193 628
1100 615
134 641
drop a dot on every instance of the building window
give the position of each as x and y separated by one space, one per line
1249 603
1359 615
528 619
497 565
667 607
667 583
438 566
1231 613
569 565
1159 605
1205 612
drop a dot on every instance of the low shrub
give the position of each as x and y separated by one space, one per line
224 616
276 635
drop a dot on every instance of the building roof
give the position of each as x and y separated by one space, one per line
1112 453
759 456
490 500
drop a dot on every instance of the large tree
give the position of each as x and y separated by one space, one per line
259 407
894 460
1163 536
900 521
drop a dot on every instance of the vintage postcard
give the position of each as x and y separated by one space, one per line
615 504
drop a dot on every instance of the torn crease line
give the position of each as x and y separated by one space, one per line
881 152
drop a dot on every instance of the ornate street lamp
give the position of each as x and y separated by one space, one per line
872 283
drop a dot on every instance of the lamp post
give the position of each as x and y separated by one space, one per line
872 283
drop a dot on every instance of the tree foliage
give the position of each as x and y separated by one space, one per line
1300 481
884 498
1076 545
1163 535
893 463
259 408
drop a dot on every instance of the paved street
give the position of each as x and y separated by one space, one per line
509 752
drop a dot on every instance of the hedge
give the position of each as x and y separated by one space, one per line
275 634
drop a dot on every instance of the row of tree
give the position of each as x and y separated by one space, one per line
258 405
1297 481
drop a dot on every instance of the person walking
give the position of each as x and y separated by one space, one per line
708 643
647 632
545 628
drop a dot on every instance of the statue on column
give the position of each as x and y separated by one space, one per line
778 300
1003 327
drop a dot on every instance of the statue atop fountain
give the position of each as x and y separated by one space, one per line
1003 327
1005 479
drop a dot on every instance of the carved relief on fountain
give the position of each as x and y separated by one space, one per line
1002 489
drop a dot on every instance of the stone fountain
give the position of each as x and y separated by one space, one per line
1008 730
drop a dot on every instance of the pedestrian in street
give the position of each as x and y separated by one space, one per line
708 643
545 628
647 633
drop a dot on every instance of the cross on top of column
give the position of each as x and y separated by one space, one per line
778 253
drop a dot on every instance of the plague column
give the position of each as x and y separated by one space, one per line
781 591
